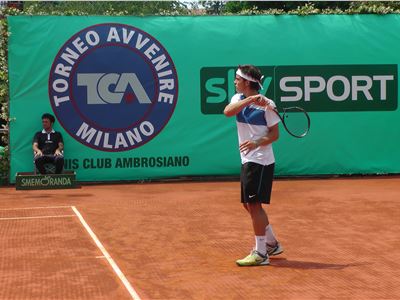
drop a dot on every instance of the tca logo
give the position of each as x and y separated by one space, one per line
110 88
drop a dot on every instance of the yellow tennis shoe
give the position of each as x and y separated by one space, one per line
253 259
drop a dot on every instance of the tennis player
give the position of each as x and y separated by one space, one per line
257 127
48 146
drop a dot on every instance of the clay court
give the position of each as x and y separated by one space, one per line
181 240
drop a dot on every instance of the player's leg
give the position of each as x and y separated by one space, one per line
59 163
260 221
258 255
242 188
40 161
273 245
250 178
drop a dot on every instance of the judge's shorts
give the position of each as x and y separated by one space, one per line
256 182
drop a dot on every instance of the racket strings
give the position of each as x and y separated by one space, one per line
296 121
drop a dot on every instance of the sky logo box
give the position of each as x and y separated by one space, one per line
318 88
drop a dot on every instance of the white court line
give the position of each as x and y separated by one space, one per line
37 207
116 269
38 217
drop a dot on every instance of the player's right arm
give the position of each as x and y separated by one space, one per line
35 146
235 107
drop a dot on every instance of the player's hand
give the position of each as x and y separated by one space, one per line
247 146
254 99
58 153
263 101
38 153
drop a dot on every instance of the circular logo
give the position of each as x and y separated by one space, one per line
113 87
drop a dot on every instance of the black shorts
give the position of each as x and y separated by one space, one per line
256 182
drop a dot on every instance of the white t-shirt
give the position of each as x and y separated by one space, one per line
252 123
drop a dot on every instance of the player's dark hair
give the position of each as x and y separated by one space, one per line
49 117
254 72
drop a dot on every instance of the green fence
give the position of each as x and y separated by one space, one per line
142 97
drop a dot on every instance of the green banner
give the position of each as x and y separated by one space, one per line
142 97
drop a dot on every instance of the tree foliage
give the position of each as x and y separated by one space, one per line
139 8
300 7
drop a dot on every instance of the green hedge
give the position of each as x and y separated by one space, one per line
4 155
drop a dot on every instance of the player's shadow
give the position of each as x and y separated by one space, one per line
309 265
43 196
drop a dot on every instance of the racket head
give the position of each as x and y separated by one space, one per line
296 121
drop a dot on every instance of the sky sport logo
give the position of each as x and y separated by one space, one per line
113 87
322 88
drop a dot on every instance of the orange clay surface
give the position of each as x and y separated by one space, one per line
180 241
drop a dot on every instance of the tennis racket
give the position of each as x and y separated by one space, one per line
295 120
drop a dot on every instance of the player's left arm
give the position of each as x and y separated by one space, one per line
59 150
272 136
269 138
273 130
